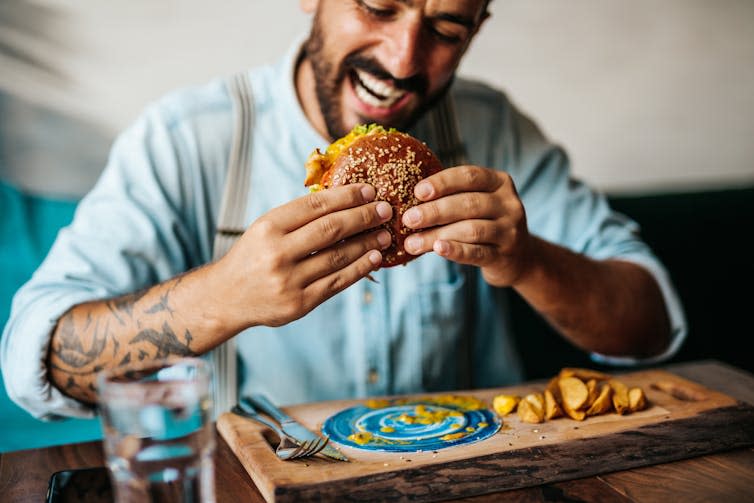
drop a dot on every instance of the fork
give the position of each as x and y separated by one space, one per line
288 448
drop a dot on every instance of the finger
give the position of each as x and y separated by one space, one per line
341 255
453 208
330 229
464 253
467 231
459 179
305 209
327 286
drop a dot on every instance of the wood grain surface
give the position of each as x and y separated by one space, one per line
722 477
695 421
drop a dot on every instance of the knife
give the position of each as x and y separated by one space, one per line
290 425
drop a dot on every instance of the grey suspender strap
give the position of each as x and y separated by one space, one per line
445 128
451 151
231 223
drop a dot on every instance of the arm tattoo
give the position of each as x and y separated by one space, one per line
161 306
70 349
126 302
126 360
166 342
98 335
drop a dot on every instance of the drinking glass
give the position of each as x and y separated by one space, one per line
158 433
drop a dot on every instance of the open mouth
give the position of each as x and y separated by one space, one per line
373 91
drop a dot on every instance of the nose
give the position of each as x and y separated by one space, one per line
403 48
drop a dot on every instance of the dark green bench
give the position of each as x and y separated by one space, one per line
28 227
704 239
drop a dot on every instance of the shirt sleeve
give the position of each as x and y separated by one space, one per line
563 210
128 233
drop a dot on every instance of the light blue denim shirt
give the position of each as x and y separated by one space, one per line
430 325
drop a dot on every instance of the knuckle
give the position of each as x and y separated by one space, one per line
478 253
335 284
368 215
471 203
275 262
478 233
504 177
317 202
292 308
470 174
265 226
278 285
329 228
430 209
516 212
337 259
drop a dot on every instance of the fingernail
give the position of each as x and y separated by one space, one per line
384 239
375 257
423 190
384 210
368 193
411 217
412 244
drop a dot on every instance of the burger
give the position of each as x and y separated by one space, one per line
391 161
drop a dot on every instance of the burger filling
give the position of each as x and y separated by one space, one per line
319 163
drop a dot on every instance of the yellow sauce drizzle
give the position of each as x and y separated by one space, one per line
361 438
422 415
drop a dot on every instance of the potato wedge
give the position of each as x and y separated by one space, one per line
578 415
505 404
536 399
552 385
552 407
583 374
593 392
574 392
529 411
603 403
620 396
636 399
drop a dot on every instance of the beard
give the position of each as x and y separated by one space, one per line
329 80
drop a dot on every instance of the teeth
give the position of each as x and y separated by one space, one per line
375 92
371 99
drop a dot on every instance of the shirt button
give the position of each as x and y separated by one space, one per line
368 297
373 376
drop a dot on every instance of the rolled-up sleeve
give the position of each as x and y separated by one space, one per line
563 210
128 233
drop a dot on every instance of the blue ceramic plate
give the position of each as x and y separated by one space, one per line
424 424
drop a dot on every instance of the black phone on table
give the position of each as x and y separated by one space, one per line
81 485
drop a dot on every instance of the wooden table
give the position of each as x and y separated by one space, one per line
727 476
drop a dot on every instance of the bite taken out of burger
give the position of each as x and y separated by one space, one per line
391 161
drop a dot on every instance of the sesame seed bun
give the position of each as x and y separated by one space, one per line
391 161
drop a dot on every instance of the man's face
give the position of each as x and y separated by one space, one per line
386 61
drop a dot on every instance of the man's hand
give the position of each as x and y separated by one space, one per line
300 254
472 215
287 262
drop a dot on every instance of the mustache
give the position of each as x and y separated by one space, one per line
416 83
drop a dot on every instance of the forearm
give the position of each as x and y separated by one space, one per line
174 318
610 307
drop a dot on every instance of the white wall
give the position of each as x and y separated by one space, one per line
645 94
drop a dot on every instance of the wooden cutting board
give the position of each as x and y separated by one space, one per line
684 421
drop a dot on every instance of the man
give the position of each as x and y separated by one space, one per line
132 278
